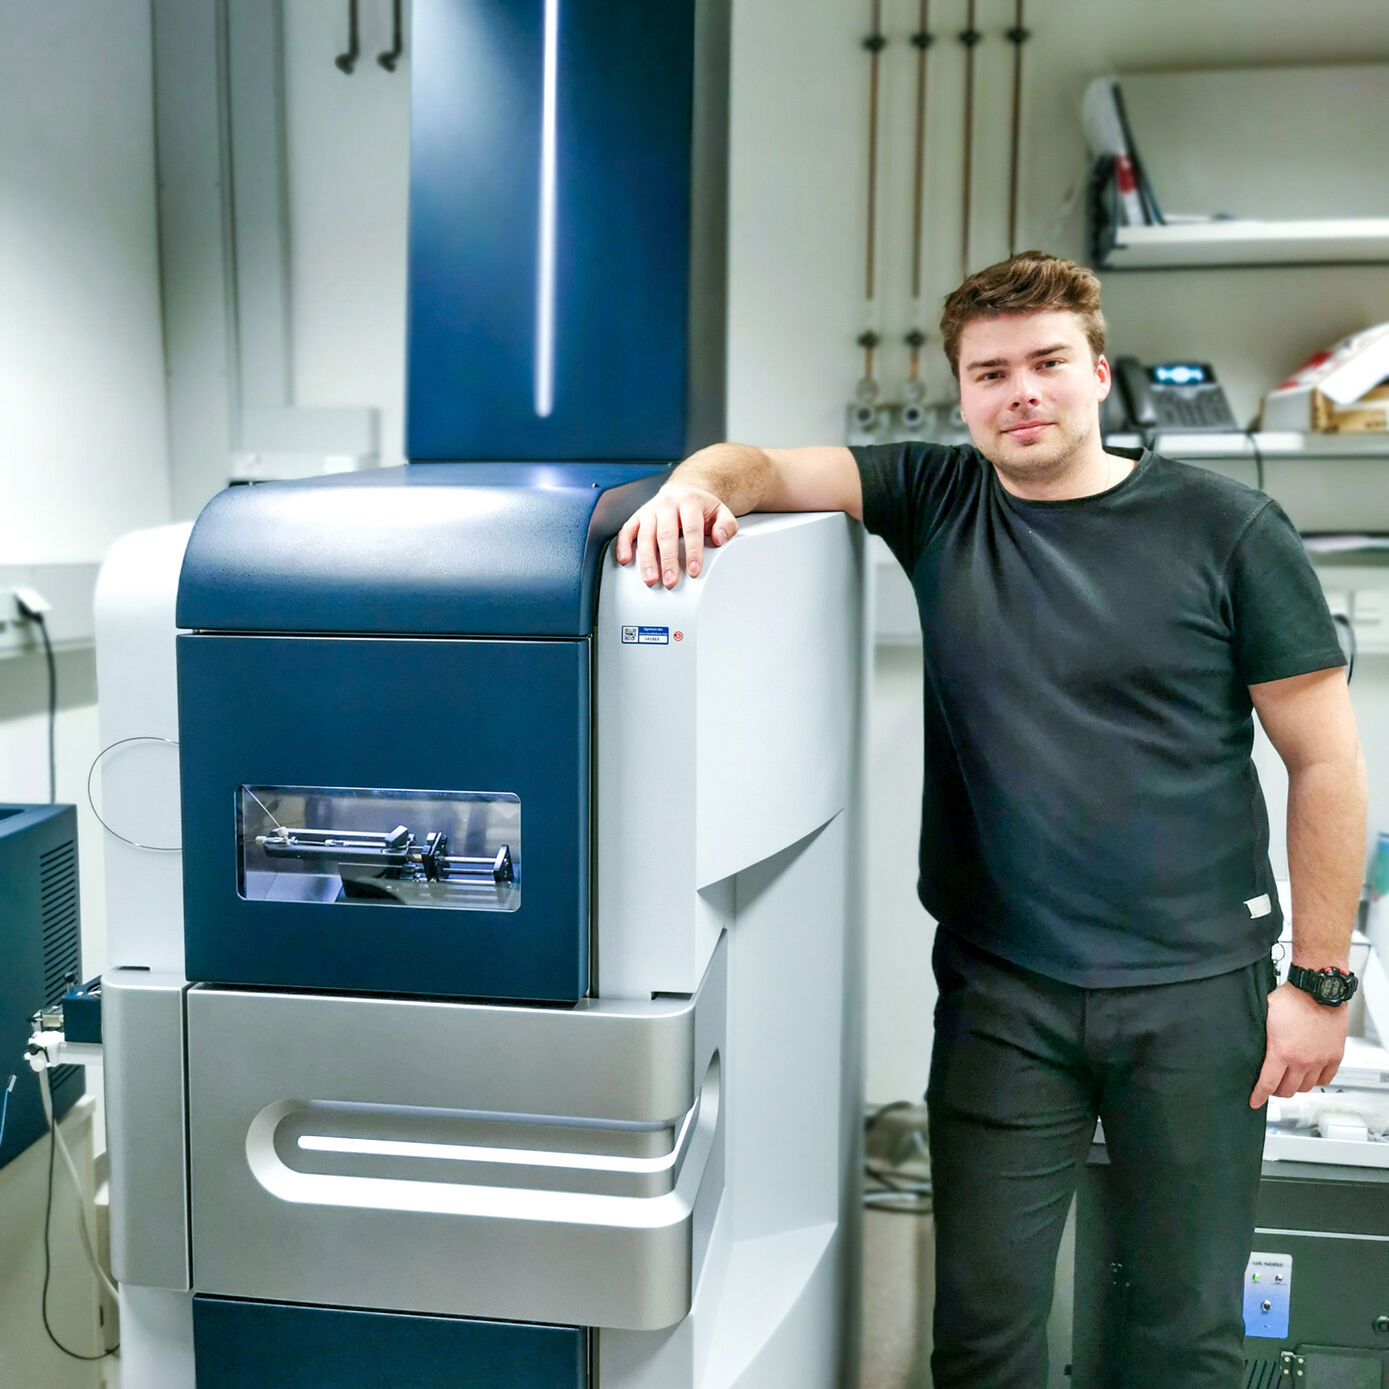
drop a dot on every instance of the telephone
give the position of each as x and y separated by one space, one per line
1182 397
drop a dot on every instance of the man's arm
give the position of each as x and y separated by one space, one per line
1309 721
712 488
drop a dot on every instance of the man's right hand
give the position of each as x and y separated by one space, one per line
652 534
705 495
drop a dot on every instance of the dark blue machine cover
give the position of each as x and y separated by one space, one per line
266 1345
454 549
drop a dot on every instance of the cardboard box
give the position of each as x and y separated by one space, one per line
1335 390
1368 415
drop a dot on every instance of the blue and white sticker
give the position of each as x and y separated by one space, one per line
646 636
1268 1282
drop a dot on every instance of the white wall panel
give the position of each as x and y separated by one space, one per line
83 457
349 158
82 432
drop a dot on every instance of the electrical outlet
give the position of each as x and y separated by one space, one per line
30 604
63 593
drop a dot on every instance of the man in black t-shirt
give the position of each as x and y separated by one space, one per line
1098 627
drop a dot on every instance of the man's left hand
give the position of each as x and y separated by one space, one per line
1306 1041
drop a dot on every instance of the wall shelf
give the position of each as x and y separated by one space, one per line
1323 241
1325 482
1282 444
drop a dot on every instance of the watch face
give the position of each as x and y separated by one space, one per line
1333 988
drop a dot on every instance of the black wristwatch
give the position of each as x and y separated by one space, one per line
1329 986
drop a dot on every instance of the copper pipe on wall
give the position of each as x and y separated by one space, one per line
1017 36
874 43
970 37
921 40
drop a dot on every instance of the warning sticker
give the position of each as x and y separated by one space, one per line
646 636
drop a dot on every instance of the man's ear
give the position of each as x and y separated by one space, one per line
1104 375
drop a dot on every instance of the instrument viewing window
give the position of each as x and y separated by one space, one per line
450 849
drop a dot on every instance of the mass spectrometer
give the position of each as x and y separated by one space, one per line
497 1021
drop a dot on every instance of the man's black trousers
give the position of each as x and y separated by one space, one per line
1021 1067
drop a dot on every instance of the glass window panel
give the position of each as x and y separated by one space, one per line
459 850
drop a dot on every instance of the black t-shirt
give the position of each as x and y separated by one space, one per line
1090 810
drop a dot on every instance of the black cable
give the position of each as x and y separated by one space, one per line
895 1181
1145 189
889 1204
899 1194
47 1264
1352 645
35 616
1258 459
52 711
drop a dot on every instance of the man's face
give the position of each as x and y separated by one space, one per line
1030 392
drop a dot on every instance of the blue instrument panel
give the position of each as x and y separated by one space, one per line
322 737
551 299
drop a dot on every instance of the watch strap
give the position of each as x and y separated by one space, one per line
1329 986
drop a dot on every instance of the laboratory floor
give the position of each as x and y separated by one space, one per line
898 1288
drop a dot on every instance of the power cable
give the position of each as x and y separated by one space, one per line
1258 459
34 615
1352 643
899 1193
53 1145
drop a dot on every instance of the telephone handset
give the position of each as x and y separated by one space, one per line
1181 397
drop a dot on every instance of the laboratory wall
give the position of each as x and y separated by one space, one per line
83 456
797 299
798 282
798 174
82 364
348 142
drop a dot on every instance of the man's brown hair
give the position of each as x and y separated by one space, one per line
1029 282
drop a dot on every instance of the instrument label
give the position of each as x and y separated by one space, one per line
1268 1282
646 636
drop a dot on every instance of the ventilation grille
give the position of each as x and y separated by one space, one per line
58 905
59 1077
62 939
1262 1374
